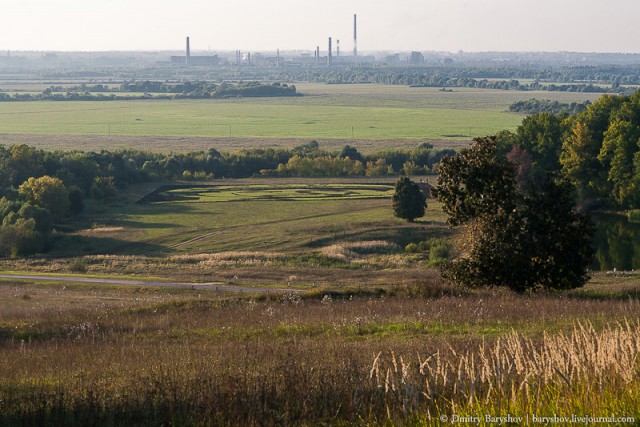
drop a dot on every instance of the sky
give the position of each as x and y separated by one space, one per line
261 25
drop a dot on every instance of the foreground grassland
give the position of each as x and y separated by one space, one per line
90 354
370 117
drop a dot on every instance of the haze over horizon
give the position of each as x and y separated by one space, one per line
439 25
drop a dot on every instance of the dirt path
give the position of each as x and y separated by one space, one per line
209 286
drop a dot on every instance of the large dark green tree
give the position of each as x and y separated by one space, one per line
520 237
409 202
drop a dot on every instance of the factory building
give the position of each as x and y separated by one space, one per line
197 61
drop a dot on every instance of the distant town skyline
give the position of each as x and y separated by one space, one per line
404 25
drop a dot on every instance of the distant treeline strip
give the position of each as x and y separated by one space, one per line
578 79
535 106
156 90
574 78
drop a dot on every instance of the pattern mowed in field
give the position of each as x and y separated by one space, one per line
327 112
299 192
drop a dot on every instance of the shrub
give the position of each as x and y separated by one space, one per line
439 251
78 265
411 248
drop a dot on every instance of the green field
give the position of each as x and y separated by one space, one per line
251 215
327 112
247 119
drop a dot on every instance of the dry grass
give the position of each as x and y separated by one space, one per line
257 267
348 251
74 355
517 373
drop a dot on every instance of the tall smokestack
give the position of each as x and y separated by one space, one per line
188 57
355 35
338 48
329 56
317 54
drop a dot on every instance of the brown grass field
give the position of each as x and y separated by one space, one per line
359 352
77 354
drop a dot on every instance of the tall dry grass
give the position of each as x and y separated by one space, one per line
517 374
76 356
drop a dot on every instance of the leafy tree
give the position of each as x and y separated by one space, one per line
24 161
41 216
520 237
20 238
103 187
76 200
409 201
311 148
542 136
617 154
579 156
351 152
47 192
475 182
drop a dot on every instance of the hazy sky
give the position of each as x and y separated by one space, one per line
450 25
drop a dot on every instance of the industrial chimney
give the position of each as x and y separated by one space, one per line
338 48
188 57
355 35
329 56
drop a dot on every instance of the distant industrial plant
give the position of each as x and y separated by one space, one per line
297 58
315 57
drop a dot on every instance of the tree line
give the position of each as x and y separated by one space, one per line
574 79
81 169
156 90
535 106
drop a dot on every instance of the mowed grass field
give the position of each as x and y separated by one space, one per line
327 113
252 215
275 192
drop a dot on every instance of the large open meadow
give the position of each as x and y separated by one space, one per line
323 317
370 117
